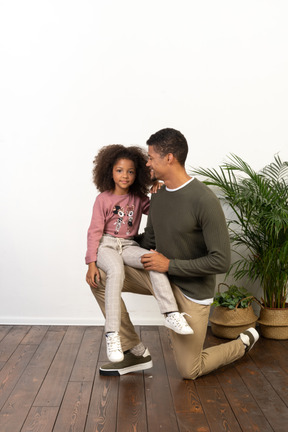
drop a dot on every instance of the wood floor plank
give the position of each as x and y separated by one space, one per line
241 407
54 385
161 414
4 329
19 402
132 404
85 365
209 380
102 412
245 408
72 416
61 328
40 419
273 363
189 410
217 409
35 335
13 369
186 423
276 349
271 405
11 341
74 334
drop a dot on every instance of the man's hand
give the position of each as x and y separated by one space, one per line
92 275
155 261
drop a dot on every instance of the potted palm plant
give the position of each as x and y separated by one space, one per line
258 226
233 312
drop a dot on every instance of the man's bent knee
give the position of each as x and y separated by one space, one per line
188 372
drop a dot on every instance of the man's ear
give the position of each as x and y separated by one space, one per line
170 157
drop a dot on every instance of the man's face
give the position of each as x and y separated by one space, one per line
157 164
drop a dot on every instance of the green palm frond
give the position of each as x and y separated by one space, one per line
276 170
259 203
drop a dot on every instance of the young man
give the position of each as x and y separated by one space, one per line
187 228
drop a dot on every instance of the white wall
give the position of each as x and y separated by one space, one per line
77 75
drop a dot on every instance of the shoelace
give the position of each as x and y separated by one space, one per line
184 313
179 323
113 342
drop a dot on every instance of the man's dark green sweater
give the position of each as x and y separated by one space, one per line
188 226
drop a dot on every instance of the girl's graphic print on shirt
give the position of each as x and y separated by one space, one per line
121 212
130 213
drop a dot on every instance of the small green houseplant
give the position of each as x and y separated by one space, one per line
233 312
233 297
258 223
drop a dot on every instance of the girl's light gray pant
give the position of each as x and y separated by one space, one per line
113 254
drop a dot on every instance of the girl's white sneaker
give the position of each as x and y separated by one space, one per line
113 345
176 321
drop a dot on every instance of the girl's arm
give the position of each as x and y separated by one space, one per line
156 185
95 233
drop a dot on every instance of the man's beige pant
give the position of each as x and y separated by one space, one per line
191 359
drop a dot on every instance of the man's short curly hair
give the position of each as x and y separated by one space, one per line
107 157
170 141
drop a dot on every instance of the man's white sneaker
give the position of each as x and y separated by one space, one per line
176 321
113 345
249 337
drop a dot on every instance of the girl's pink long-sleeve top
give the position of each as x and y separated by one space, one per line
117 215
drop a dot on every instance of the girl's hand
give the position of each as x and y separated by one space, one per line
156 185
92 275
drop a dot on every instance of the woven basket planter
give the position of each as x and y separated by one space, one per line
229 323
274 323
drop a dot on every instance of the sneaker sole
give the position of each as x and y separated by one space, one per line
134 368
172 328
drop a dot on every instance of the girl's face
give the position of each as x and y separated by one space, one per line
124 174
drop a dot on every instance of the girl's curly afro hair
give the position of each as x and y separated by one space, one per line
105 161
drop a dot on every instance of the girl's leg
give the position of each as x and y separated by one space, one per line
136 281
161 286
112 264
162 290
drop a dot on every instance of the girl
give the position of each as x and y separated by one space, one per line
121 175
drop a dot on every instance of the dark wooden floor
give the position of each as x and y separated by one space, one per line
49 381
